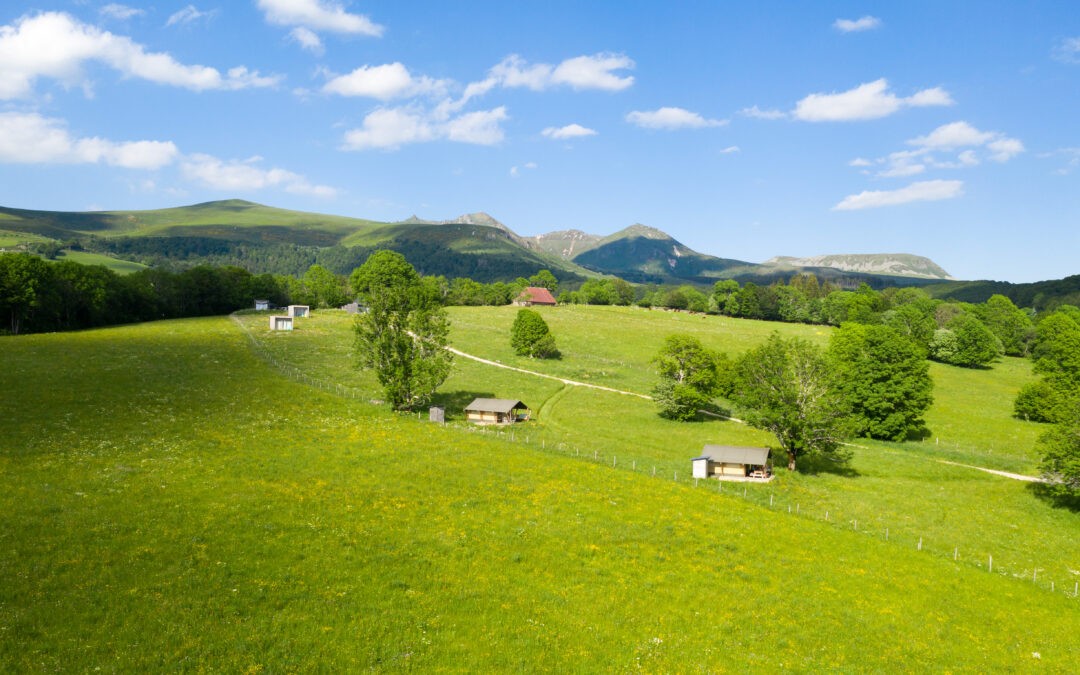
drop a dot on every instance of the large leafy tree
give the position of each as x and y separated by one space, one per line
690 375
1056 351
1060 450
884 378
787 388
403 334
966 342
530 335
1010 324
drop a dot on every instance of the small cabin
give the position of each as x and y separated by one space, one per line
730 462
299 311
496 411
535 295
281 323
261 305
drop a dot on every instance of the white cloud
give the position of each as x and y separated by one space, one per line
1068 51
569 131
323 15
867 101
120 12
857 25
924 191
32 139
234 176
56 45
730 150
515 171
594 72
671 118
308 39
385 82
859 161
391 128
479 128
758 113
189 14
962 135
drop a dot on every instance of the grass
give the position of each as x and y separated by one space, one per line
115 264
901 490
171 502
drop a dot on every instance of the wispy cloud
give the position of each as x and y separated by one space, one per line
120 12
671 119
857 25
308 39
516 171
1068 50
924 191
957 145
56 45
872 100
567 132
237 176
758 113
325 15
29 138
731 149
189 14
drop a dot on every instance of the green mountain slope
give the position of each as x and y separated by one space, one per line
893 264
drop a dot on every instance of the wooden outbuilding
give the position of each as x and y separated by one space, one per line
496 411
535 295
299 311
281 323
261 305
728 462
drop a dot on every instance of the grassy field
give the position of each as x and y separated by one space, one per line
899 491
115 264
171 501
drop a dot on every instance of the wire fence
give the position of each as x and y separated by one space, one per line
759 494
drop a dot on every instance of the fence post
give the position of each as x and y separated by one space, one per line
991 565
920 544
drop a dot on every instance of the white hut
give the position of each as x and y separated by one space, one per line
261 305
281 323
299 311
496 411
731 462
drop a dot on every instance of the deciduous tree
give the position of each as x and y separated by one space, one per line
530 336
787 388
402 336
690 375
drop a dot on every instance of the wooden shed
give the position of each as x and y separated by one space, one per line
731 461
535 295
281 323
496 411
261 305
299 311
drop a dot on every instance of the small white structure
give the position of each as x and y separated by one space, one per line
299 311
496 411
730 462
281 323
261 305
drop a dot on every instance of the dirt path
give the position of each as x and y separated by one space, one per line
1006 474
458 352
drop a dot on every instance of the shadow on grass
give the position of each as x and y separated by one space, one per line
455 401
1054 497
818 464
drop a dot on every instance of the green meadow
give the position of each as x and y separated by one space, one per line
209 495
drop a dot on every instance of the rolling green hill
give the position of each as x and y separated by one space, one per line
184 496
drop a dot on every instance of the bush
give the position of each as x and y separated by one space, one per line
530 336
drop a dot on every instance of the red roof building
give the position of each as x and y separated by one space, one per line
535 295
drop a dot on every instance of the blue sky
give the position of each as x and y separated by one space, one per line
944 129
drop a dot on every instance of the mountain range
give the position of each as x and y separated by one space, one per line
267 239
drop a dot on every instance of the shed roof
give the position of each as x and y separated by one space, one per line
497 405
538 295
734 454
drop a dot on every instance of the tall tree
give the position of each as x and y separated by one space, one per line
1060 450
690 375
884 378
787 388
403 334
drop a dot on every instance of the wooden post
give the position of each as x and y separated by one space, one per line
856 525
955 552
991 565
614 459
886 534
654 471
826 516
920 544
770 499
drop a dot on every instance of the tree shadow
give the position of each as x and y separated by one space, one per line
920 434
1054 498
454 402
819 464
